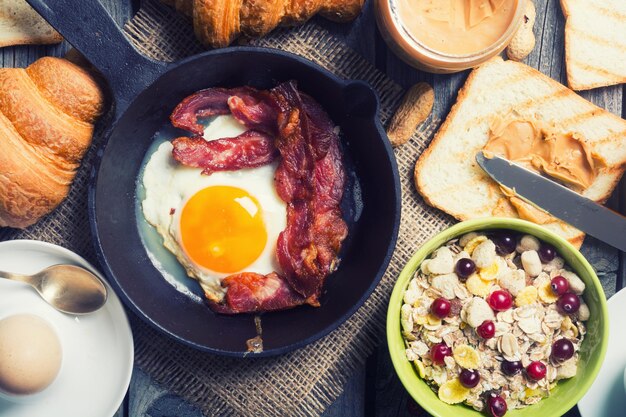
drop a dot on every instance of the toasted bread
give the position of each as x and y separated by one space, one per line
447 175
21 25
595 42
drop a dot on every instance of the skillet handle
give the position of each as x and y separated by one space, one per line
89 28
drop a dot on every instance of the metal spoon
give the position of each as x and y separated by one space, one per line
68 288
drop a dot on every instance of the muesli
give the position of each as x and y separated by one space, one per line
494 320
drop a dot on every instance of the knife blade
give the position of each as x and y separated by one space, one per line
558 200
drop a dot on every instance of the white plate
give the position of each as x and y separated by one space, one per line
97 348
607 397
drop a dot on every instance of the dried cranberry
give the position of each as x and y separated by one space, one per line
562 350
486 330
536 370
469 378
496 405
455 307
568 303
559 285
464 268
438 352
440 307
546 253
500 300
505 243
511 368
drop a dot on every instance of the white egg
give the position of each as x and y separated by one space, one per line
30 354
169 186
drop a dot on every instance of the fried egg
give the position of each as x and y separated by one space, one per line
216 225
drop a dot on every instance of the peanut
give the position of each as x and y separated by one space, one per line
445 285
414 109
528 242
484 254
476 311
583 312
466 238
442 262
513 281
523 41
531 263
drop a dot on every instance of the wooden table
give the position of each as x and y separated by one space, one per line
374 390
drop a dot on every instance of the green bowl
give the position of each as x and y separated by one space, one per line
568 392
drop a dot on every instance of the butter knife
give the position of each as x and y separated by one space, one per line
558 200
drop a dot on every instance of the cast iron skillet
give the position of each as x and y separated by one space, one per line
144 93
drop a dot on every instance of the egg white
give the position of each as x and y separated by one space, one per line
169 185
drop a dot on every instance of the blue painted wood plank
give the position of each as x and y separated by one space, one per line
148 399
352 402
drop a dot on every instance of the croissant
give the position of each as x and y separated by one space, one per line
47 112
217 23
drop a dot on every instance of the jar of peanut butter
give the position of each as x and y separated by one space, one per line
445 36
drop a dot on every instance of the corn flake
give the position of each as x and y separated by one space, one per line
546 294
566 323
433 320
471 245
526 296
489 273
452 392
422 302
477 286
537 392
420 368
466 357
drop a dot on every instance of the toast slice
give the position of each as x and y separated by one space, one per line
21 25
595 42
447 175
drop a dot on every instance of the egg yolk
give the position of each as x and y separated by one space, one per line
222 228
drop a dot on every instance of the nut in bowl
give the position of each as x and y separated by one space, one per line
557 376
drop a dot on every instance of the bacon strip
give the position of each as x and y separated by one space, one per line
248 105
248 150
254 110
249 292
322 129
329 229
311 181
204 103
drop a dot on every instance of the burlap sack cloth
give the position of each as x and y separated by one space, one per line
304 382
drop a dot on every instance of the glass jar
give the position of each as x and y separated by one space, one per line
412 50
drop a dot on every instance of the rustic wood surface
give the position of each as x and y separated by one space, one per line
374 390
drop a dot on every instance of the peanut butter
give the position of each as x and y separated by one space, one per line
539 146
456 27
512 204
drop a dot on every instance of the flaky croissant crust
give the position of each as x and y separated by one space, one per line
217 23
47 113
